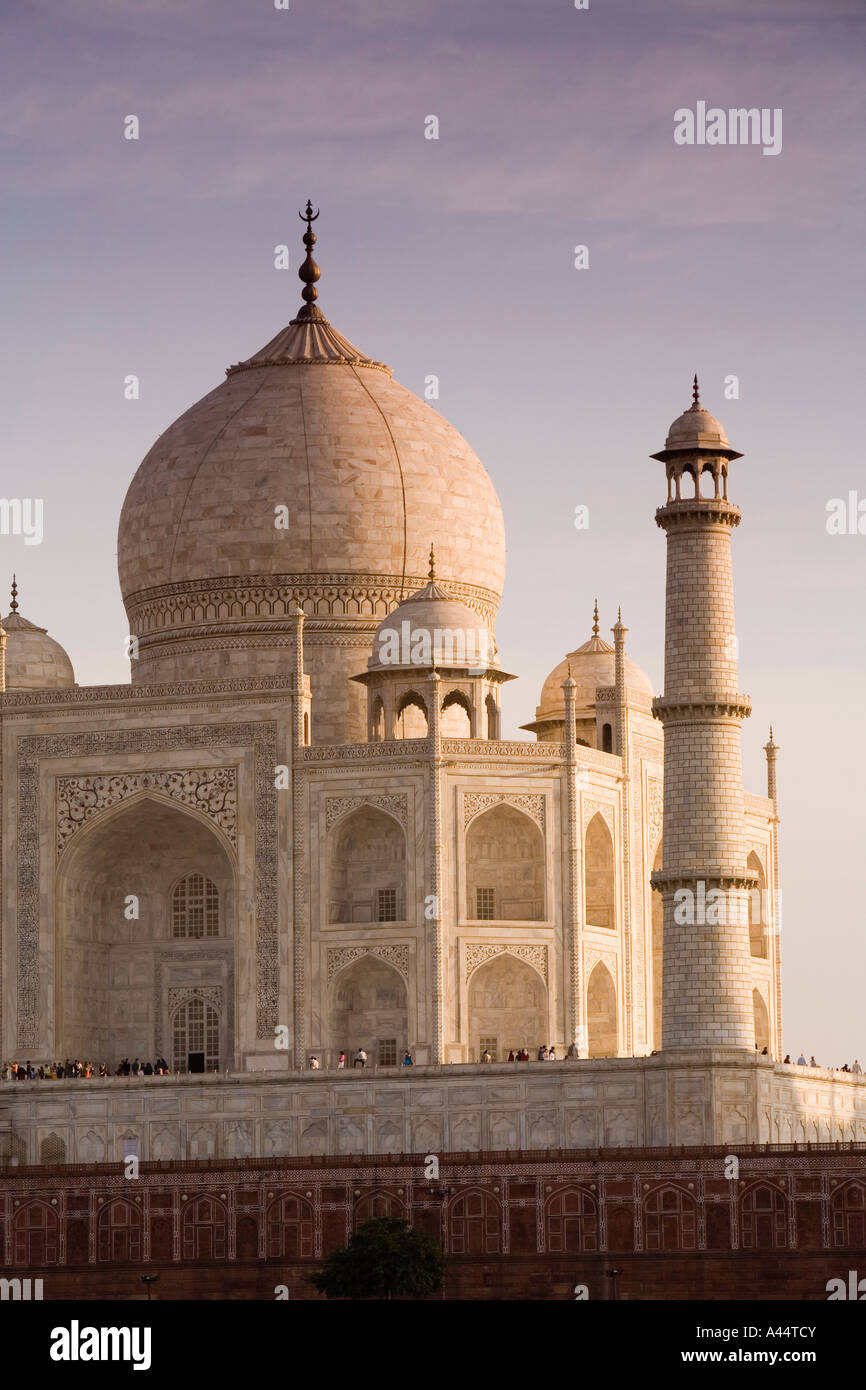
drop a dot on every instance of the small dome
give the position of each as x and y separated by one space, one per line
34 661
432 628
696 428
589 666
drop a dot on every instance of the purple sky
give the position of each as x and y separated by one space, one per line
455 257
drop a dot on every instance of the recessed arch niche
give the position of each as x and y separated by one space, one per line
367 868
601 1013
505 867
369 1009
116 955
507 1008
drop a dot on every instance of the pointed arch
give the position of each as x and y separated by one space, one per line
505 869
195 1036
412 716
758 943
763 1217
35 1235
367 867
204 1229
571 1218
508 1008
601 1013
599 874
457 715
377 720
118 1232
848 1214
762 1021
491 711
290 1228
657 913
117 904
670 1219
369 1009
475 1223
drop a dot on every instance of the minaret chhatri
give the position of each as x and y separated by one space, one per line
707 994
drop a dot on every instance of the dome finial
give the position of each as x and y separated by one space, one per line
431 573
696 394
13 606
595 619
309 272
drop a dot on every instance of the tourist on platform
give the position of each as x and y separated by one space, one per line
812 1062
801 1060
511 1055
314 1064
341 1061
551 1053
407 1059
787 1061
485 1056
360 1059
857 1069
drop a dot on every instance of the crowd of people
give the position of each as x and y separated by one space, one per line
854 1070
78 1070
59 1071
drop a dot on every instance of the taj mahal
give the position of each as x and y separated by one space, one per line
297 831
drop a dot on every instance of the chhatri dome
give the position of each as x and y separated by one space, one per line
34 661
311 476
589 666
432 628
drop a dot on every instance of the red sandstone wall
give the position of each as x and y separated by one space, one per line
525 1225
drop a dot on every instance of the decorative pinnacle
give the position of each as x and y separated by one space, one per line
595 619
431 573
13 606
619 614
309 272
696 395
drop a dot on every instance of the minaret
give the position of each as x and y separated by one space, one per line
707 999
771 749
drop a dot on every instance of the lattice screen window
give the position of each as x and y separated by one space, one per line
195 908
490 1045
485 905
195 1028
387 899
387 1052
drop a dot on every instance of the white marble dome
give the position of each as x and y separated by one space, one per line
34 661
368 474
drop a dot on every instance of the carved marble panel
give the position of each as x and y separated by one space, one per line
532 803
212 790
338 806
478 953
396 955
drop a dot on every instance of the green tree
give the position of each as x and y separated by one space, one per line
385 1258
